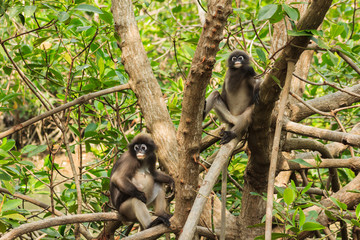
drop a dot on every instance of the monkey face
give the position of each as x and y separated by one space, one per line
237 59
141 151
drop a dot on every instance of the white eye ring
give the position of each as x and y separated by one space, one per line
241 58
136 147
143 147
233 59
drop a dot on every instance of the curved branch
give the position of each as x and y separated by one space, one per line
51 222
83 230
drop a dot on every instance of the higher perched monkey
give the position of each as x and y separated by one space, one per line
235 104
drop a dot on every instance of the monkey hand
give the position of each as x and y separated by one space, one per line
141 196
160 220
227 136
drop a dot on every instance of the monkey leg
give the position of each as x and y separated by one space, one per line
214 101
133 209
160 207
240 127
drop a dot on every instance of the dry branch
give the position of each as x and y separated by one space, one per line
326 103
204 191
83 230
345 138
51 222
352 163
145 85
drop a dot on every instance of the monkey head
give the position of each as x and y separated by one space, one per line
142 146
237 59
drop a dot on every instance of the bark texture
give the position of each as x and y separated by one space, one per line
144 84
189 132
260 133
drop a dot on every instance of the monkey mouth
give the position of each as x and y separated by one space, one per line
237 64
140 156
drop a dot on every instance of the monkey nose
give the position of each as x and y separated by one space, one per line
237 64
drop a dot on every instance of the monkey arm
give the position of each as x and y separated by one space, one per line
161 177
121 179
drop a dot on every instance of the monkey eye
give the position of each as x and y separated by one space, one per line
143 147
233 59
241 58
136 147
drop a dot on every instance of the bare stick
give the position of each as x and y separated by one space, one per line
204 191
275 149
223 202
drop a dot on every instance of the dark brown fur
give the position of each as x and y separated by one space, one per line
133 178
234 105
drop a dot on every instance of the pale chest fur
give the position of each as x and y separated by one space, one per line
238 97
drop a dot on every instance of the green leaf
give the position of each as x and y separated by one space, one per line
291 12
15 216
261 54
340 205
267 11
15 11
306 188
7 144
312 226
276 80
357 211
90 129
4 176
37 150
3 227
302 218
88 8
11 205
63 16
299 33
289 196
4 153
334 59
107 17
29 10
39 41
302 162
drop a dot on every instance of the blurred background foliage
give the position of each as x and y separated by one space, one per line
68 49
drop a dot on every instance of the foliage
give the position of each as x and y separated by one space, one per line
68 49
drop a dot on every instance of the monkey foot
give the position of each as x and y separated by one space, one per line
160 220
227 136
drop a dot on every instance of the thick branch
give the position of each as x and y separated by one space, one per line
325 103
345 138
144 84
189 131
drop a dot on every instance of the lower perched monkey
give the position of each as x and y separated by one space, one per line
235 104
135 184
